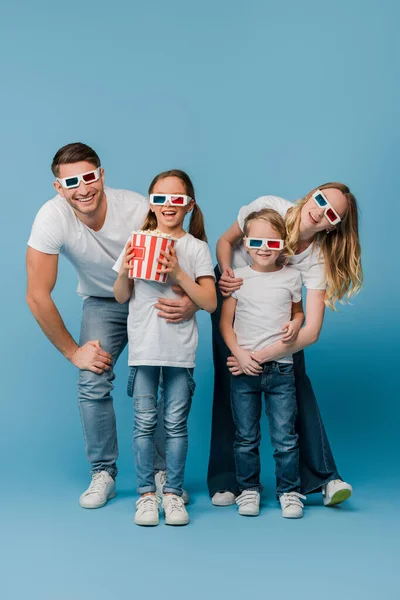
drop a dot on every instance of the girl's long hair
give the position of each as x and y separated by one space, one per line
196 223
340 248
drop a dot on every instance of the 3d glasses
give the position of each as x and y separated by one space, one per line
74 180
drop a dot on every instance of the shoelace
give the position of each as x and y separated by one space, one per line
292 499
248 497
146 503
99 480
173 503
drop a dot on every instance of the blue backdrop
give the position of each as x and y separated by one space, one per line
250 98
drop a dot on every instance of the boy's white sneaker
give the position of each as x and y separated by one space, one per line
160 478
174 509
292 506
249 503
147 511
100 490
335 492
223 499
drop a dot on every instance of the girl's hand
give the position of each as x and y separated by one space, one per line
129 255
291 330
228 282
247 363
170 262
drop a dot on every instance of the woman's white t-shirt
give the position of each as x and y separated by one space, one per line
309 263
153 341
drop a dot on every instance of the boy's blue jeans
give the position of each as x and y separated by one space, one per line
178 387
278 385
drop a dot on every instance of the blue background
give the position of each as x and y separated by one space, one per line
250 98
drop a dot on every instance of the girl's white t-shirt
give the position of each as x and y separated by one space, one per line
309 263
57 230
153 341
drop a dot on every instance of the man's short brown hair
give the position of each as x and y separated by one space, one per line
73 153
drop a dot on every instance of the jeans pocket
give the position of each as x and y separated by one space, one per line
131 379
191 381
285 369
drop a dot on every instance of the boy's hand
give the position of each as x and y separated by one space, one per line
228 283
129 255
247 363
291 330
170 262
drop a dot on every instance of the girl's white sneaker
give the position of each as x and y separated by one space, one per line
160 478
335 492
174 509
249 503
292 507
147 511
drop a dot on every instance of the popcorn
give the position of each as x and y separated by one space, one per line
156 232
147 246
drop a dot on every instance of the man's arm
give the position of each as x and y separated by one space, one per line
42 276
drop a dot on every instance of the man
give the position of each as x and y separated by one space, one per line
90 224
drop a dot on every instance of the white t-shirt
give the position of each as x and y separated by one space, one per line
57 229
309 263
264 305
151 340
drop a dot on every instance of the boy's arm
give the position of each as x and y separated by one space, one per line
292 328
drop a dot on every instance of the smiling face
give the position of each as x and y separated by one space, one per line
170 218
87 198
313 219
263 258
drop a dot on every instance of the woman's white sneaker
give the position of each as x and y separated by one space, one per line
160 478
249 503
223 499
292 507
147 511
174 509
101 489
336 491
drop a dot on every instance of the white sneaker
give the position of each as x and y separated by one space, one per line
223 499
249 503
174 509
160 478
147 511
292 506
101 489
335 492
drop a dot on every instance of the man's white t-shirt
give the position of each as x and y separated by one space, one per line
151 340
309 263
57 230
264 305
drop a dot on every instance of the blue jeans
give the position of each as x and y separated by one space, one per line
178 389
105 320
278 385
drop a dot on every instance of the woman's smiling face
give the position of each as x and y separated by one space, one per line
313 219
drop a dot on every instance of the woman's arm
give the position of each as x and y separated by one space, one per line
123 286
309 334
228 283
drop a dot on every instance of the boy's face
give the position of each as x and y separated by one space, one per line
263 257
87 197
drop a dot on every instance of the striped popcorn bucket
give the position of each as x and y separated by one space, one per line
147 250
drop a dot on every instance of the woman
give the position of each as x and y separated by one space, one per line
322 233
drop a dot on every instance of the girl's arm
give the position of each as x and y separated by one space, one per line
244 358
202 291
228 283
309 334
123 286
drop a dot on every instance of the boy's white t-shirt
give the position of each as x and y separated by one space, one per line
57 230
309 263
153 341
264 305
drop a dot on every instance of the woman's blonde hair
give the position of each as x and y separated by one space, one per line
340 247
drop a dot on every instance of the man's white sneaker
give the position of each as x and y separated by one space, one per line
223 499
335 492
174 509
101 489
249 503
147 511
292 506
160 478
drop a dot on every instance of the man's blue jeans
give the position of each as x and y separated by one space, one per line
278 385
178 388
105 320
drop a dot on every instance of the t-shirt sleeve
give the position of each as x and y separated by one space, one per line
119 260
296 292
48 230
314 277
204 265
279 204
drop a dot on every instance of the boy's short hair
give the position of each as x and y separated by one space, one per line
269 215
73 153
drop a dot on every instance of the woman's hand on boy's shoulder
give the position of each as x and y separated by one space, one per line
228 283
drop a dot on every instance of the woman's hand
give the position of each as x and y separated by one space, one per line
170 261
291 330
247 363
228 282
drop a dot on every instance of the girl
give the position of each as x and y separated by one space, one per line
155 345
322 233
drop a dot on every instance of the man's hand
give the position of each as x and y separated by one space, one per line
176 311
291 330
228 283
247 363
91 357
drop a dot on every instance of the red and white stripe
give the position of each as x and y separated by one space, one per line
147 249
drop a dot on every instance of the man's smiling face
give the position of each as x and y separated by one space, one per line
87 197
